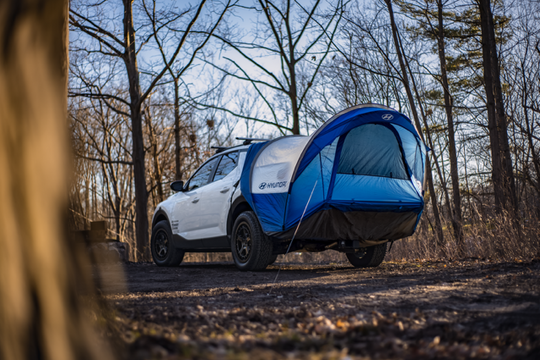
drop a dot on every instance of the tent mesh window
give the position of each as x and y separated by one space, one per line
413 152
380 153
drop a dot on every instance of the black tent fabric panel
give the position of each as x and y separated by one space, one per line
372 150
370 227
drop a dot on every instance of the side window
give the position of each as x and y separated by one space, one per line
202 175
226 165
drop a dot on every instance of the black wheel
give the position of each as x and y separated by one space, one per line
372 257
251 249
163 251
272 259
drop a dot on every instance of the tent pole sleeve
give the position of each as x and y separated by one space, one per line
335 166
400 143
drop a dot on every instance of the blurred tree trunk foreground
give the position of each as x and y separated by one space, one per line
41 316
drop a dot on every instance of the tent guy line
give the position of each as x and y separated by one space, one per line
292 239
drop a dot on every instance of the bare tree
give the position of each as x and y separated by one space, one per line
405 79
360 71
430 20
123 45
502 172
454 174
177 69
295 40
102 145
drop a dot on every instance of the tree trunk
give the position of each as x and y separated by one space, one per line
293 96
456 196
529 131
177 144
535 157
139 170
502 173
296 116
41 315
433 196
117 213
157 173
407 87
86 212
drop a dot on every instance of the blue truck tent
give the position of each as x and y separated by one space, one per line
358 177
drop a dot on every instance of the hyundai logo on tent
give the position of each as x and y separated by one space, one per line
364 171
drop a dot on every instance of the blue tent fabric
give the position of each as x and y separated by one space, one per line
245 187
270 208
345 121
310 184
365 161
372 189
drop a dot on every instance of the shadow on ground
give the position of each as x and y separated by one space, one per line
468 309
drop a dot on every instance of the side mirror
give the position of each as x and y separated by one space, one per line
177 185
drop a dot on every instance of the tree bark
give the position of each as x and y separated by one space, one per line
177 144
87 204
502 173
41 271
433 196
157 172
454 174
293 91
139 169
406 85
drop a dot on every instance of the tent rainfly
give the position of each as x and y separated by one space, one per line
358 177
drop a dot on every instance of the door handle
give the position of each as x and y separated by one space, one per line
195 200
224 190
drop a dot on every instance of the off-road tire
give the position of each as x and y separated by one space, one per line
272 259
250 247
163 251
373 257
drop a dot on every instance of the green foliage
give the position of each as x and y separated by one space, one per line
462 36
433 95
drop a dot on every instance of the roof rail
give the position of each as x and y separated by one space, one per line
248 141
220 148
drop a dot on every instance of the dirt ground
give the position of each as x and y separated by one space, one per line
400 310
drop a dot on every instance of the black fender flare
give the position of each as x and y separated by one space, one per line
158 216
237 207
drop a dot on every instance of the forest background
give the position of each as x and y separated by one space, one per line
154 84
